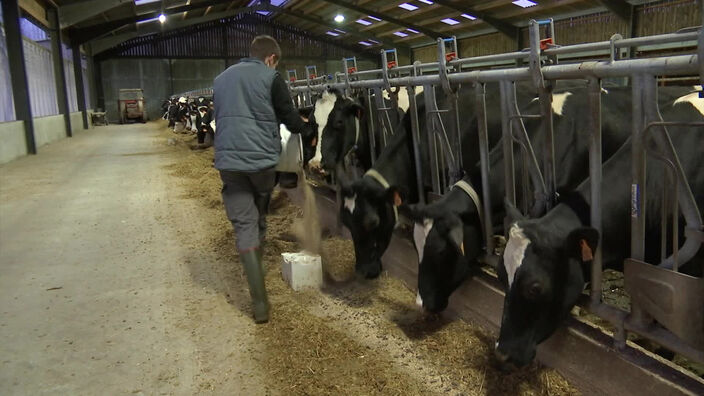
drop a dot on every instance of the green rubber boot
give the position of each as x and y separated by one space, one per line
251 261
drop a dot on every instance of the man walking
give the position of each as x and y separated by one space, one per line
251 100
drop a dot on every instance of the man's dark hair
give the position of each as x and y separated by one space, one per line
263 46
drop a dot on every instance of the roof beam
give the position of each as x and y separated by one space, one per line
503 27
88 33
76 12
348 29
621 8
385 17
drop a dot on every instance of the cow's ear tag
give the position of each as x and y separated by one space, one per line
397 199
586 251
462 248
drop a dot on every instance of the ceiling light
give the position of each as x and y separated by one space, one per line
332 33
363 22
409 7
401 34
412 31
340 31
339 18
471 18
449 21
426 1
162 18
373 18
524 3
365 43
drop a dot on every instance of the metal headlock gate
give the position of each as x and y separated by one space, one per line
679 309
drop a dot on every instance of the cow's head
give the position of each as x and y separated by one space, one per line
542 272
367 210
448 248
336 119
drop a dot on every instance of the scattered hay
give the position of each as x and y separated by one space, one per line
353 337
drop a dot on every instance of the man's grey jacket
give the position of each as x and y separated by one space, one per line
247 138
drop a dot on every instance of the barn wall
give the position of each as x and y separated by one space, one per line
152 75
660 17
13 142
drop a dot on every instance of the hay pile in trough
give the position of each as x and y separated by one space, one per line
353 336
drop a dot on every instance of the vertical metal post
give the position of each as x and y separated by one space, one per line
80 88
595 176
480 104
545 97
507 141
90 70
638 190
415 135
59 76
370 125
15 52
431 117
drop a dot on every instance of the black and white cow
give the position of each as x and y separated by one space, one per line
368 203
545 264
448 233
342 125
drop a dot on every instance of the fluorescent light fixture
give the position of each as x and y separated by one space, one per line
265 13
140 2
365 43
524 3
449 21
413 31
426 1
373 41
332 33
148 20
339 18
408 7
363 22
471 18
401 34
373 18
162 18
340 31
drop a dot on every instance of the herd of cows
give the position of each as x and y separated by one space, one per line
546 261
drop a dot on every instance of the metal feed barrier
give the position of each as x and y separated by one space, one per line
667 307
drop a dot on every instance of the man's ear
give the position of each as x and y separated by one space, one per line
512 212
581 243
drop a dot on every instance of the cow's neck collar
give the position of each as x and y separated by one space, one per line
472 193
372 173
579 205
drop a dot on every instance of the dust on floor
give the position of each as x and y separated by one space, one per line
353 336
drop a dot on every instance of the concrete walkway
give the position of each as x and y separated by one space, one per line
94 292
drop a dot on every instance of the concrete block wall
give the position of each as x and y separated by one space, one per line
46 130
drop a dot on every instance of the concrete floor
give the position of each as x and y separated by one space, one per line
95 297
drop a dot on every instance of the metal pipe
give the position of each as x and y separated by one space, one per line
370 126
480 103
505 88
686 199
430 120
595 177
415 136
679 65
624 43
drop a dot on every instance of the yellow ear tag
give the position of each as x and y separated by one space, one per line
586 251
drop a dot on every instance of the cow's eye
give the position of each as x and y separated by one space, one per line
534 290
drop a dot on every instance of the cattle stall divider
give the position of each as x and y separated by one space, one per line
540 172
673 331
